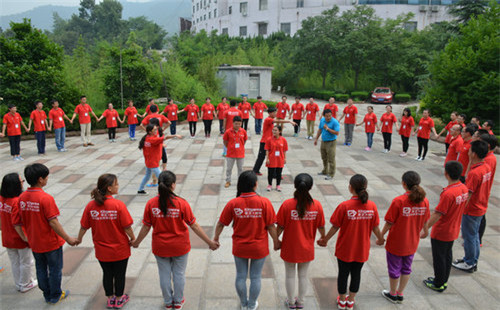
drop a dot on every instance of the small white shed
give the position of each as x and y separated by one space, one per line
244 79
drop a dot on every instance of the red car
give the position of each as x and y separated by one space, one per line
382 95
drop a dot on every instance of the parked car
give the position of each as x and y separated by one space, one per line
382 95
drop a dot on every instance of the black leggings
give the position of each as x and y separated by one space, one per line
447 146
113 277
111 133
192 128
274 173
387 140
245 124
15 145
422 143
353 268
163 155
260 158
221 126
406 143
297 127
208 126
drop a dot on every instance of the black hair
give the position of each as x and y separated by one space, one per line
370 107
284 97
130 100
454 169
298 97
358 184
208 98
34 172
37 102
490 139
82 96
474 125
326 111
390 106
428 111
476 117
490 123
455 112
232 103
150 99
153 109
149 129
480 148
471 129
303 183
224 98
11 186
165 181
170 100
463 116
11 105
156 122
53 101
271 110
412 181
482 131
99 193
259 97
237 119
246 182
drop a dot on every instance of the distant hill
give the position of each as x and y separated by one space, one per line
164 13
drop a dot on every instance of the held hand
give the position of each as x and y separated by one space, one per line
380 242
284 161
322 242
2 135
267 162
135 244
277 245
131 241
213 245
71 121
72 241
293 123
179 136
424 234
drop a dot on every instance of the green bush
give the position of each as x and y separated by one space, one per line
360 95
252 101
402 98
341 97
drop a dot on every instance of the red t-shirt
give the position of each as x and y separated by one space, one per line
9 214
208 110
299 233
370 122
407 122
148 108
83 110
235 142
276 149
454 149
356 222
161 118
171 111
312 109
170 232
250 214
478 182
111 116
108 223
463 156
267 129
245 109
57 117
37 208
424 128
259 108
350 114
333 107
407 219
297 110
39 120
152 151
131 113
221 108
192 112
451 206
281 109
491 161
13 123
387 122
229 114
448 128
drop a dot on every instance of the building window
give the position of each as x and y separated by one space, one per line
262 29
197 6
286 28
300 3
209 15
243 31
205 17
215 13
262 5
230 10
225 31
244 8
194 9
410 26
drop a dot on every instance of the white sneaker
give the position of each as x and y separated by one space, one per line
384 151
255 307
402 154
464 266
31 285
418 158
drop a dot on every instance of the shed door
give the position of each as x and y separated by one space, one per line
254 87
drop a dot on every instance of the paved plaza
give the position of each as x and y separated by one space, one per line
199 166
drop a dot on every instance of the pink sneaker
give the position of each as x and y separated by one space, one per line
120 302
269 188
368 149
278 188
111 302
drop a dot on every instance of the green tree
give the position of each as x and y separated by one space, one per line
464 10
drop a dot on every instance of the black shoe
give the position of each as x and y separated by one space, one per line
143 192
430 284
389 297
400 299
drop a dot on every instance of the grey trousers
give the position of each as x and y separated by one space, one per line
229 166
172 269
349 129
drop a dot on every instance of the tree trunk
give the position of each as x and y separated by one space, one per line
356 77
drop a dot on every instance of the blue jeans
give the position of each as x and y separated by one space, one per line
258 125
156 171
40 141
369 137
173 127
470 233
256 266
60 135
131 130
49 273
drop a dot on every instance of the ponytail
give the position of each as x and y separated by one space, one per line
303 183
412 181
359 183
165 181
149 129
246 182
99 193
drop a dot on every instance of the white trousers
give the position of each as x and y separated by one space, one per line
21 262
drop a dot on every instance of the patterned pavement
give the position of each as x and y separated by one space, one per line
210 275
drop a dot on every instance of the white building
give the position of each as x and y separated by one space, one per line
263 17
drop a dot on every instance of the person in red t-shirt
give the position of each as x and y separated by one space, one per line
171 111
476 120
83 110
356 219
162 119
12 121
151 145
350 112
405 130
445 222
297 113
170 216
151 103
488 125
39 118
221 110
491 161
463 157
311 109
370 121
112 119
447 128
46 236
258 113
112 235
387 120
456 143
193 112
424 128
246 108
282 108
207 115
276 148
56 122
332 107
234 140
298 220
404 220
229 115
132 121
253 218
13 237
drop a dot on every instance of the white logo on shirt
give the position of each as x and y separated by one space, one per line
104 215
238 211
248 213
308 216
461 198
5 207
360 214
29 206
414 211
486 177
171 212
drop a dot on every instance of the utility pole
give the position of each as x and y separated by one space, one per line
121 76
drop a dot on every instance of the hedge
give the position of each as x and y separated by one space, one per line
402 98
360 95
341 97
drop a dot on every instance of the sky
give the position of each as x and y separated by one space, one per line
8 7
